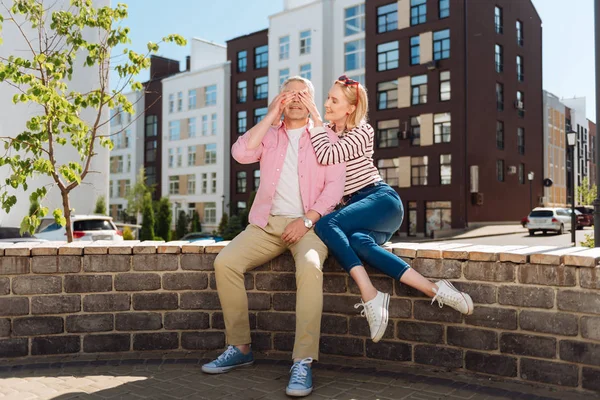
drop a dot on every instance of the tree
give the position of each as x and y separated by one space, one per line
586 193
100 206
147 231
234 227
223 224
182 224
42 76
163 220
34 206
135 197
196 226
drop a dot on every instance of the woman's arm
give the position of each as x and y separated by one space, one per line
349 147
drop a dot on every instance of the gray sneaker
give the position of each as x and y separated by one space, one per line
447 294
376 312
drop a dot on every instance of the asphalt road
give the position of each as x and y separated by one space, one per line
524 239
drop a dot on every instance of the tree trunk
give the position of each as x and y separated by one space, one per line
67 211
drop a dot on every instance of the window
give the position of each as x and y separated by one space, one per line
444 7
415 50
179 101
261 88
520 76
438 216
174 130
418 171
116 117
150 151
259 114
191 181
522 174
210 153
205 125
110 190
150 176
305 42
520 104
128 162
213 124
171 103
388 169
500 135
418 12
242 122
354 20
418 89
241 206
119 164
445 169
498 19
284 48
191 156
415 131
213 182
387 17
387 95
358 78
174 184
499 96
499 58
256 178
240 183
242 91
442 127
387 133
127 138
204 183
191 99
211 95
305 71
261 57
210 213
151 125
387 56
519 33
242 61
500 170
445 90
354 55
179 157
521 140
118 142
191 210
412 218
283 75
192 127
441 44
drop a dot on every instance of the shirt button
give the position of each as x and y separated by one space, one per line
273 183
277 169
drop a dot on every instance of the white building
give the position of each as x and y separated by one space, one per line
196 145
12 123
127 156
580 125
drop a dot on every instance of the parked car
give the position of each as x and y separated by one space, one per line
587 216
578 217
13 235
196 236
547 219
85 228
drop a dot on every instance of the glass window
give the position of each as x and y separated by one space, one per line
500 135
151 125
445 89
261 57
519 33
418 89
521 140
128 162
213 182
444 7
354 20
179 101
284 48
500 170
211 95
442 128
354 55
415 50
387 133
441 44
242 91
498 19
213 124
520 76
412 218
418 171
240 185
522 174
499 96
191 156
520 104
445 169
242 61
499 58
415 131
259 114
387 95
242 122
283 75
210 153
191 99
256 178
388 170
205 125
387 17
305 71
210 213
192 127
204 183
150 152
174 184
110 195
179 157
191 184
387 56
305 42
171 103
261 88
438 216
116 117
418 12
174 130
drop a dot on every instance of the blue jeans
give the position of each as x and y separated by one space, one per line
354 233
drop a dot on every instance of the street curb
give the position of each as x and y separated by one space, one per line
467 238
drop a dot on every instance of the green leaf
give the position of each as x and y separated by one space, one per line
59 217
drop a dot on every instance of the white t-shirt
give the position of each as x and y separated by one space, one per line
287 200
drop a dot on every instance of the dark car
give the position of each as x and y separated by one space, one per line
586 218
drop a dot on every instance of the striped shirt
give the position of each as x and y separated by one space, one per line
355 148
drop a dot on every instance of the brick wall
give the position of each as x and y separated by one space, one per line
537 316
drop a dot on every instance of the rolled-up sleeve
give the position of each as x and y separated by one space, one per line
243 155
335 178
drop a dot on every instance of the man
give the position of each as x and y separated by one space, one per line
295 191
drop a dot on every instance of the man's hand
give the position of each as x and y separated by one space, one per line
309 103
278 104
294 231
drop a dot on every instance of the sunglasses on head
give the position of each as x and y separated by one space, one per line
350 82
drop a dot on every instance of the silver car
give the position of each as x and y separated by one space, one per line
548 220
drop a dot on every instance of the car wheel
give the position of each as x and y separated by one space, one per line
561 230
531 232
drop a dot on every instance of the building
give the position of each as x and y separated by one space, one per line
12 123
249 88
579 123
592 163
455 89
196 143
555 151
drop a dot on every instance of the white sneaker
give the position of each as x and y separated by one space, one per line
376 311
447 294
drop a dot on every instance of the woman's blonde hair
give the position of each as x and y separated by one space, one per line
356 94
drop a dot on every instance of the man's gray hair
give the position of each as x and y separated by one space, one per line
297 78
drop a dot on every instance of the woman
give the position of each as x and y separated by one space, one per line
372 211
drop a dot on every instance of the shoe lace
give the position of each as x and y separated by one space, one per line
367 310
451 298
300 371
227 354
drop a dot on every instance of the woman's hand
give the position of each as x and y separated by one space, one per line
309 103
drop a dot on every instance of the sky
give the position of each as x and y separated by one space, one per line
567 26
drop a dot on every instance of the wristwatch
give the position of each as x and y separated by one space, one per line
307 222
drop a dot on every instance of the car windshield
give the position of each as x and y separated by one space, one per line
541 213
93 225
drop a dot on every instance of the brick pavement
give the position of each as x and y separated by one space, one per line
178 376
